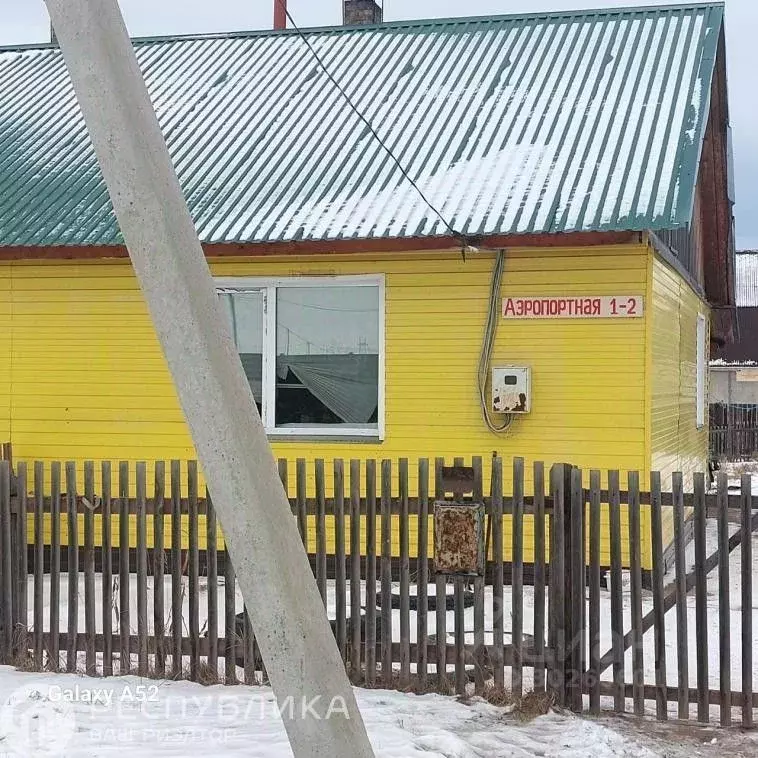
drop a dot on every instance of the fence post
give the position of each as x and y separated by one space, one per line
575 589
558 634
6 564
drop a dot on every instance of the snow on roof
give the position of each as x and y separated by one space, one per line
581 121
721 363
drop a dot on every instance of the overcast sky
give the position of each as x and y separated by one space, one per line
23 21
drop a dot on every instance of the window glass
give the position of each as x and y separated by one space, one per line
327 356
245 313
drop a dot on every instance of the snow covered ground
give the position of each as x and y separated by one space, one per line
184 719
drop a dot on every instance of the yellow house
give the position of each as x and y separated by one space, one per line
563 178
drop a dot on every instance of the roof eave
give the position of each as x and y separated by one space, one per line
338 247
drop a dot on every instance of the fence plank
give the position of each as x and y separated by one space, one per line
594 592
89 569
301 488
281 465
440 592
517 578
55 563
460 636
21 608
386 573
39 556
123 568
422 591
230 621
212 559
6 567
635 580
321 529
558 573
576 606
107 539
480 651
682 647
141 485
498 613
458 614
248 641
340 584
539 576
617 601
405 578
746 556
701 600
11 560
176 569
656 532
725 678
371 572
355 570
72 568
193 570
159 556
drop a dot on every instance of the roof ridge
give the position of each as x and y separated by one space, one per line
399 24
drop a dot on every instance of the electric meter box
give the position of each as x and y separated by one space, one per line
511 389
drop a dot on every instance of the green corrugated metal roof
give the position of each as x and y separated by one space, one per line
590 120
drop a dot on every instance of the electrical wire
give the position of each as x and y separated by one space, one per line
488 345
369 126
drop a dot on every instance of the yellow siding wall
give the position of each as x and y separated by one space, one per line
676 442
88 379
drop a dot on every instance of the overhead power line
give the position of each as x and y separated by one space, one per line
370 127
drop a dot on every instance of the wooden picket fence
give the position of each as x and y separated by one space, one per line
553 643
733 432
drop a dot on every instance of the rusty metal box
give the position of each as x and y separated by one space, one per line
459 538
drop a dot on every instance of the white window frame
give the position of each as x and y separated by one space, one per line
268 286
701 369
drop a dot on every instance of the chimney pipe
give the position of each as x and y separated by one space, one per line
358 12
280 14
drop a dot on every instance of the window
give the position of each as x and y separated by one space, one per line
702 367
312 350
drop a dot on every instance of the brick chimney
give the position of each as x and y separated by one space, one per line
362 12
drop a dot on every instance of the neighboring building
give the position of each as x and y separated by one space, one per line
734 372
734 369
574 142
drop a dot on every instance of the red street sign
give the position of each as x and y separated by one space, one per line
615 306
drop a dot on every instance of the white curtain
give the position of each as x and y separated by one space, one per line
346 384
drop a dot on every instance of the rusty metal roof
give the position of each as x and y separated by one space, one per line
562 122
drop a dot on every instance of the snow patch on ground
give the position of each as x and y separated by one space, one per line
185 719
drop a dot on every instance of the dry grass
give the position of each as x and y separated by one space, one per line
24 663
534 704
498 696
207 675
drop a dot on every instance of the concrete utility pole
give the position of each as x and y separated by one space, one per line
288 616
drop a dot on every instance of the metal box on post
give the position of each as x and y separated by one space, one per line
459 538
